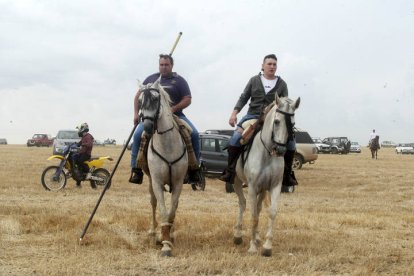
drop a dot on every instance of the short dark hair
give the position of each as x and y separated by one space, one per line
169 57
273 56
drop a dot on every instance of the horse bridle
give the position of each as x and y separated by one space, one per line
280 148
157 113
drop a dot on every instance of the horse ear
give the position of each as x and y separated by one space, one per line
277 99
297 103
140 85
157 82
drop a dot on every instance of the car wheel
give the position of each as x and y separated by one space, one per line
201 185
297 162
288 189
335 151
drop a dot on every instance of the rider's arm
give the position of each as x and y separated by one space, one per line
185 101
136 107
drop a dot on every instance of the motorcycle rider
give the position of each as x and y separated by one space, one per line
86 145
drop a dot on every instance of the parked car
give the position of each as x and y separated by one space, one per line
63 138
213 148
388 144
407 148
3 141
355 147
40 140
322 147
338 144
306 150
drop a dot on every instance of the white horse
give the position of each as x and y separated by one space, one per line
263 171
167 159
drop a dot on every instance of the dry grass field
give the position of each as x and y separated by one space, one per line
350 215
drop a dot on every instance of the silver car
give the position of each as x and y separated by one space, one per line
63 138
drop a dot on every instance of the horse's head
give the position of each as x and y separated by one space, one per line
149 102
154 101
283 122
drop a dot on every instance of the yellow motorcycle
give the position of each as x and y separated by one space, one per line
54 178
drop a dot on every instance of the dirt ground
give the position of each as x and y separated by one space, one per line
349 215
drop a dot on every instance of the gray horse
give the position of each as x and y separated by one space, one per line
167 159
263 171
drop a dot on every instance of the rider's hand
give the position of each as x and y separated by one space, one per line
233 120
136 119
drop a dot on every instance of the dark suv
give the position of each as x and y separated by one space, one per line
338 144
40 140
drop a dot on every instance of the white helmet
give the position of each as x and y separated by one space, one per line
82 128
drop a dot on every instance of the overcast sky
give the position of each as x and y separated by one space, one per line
67 62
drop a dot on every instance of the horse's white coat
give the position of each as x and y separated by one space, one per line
167 141
264 174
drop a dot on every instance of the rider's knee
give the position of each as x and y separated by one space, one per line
235 139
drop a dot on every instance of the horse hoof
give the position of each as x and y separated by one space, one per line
237 240
266 252
166 253
158 241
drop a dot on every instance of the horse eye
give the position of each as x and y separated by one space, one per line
277 122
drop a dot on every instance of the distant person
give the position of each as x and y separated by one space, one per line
86 145
372 136
180 94
260 90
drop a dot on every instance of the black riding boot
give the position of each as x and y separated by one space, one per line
136 176
289 178
194 175
230 171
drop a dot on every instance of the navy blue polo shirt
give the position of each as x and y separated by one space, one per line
176 86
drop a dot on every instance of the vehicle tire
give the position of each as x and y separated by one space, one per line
334 151
229 188
288 189
49 183
102 173
201 185
297 162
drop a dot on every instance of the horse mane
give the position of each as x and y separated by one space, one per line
165 97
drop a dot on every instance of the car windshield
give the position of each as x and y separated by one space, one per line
69 134
354 143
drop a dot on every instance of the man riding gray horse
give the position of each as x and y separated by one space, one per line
260 90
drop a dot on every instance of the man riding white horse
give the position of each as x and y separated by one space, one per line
260 90
179 92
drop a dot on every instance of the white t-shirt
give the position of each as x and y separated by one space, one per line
268 84
372 135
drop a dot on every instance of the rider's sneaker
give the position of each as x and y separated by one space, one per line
88 176
136 176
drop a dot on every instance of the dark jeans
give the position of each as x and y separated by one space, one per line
80 159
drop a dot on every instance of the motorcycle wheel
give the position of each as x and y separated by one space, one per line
51 184
102 173
201 185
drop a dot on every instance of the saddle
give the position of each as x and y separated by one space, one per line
185 132
252 126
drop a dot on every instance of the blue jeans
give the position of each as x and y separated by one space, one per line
235 139
195 140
